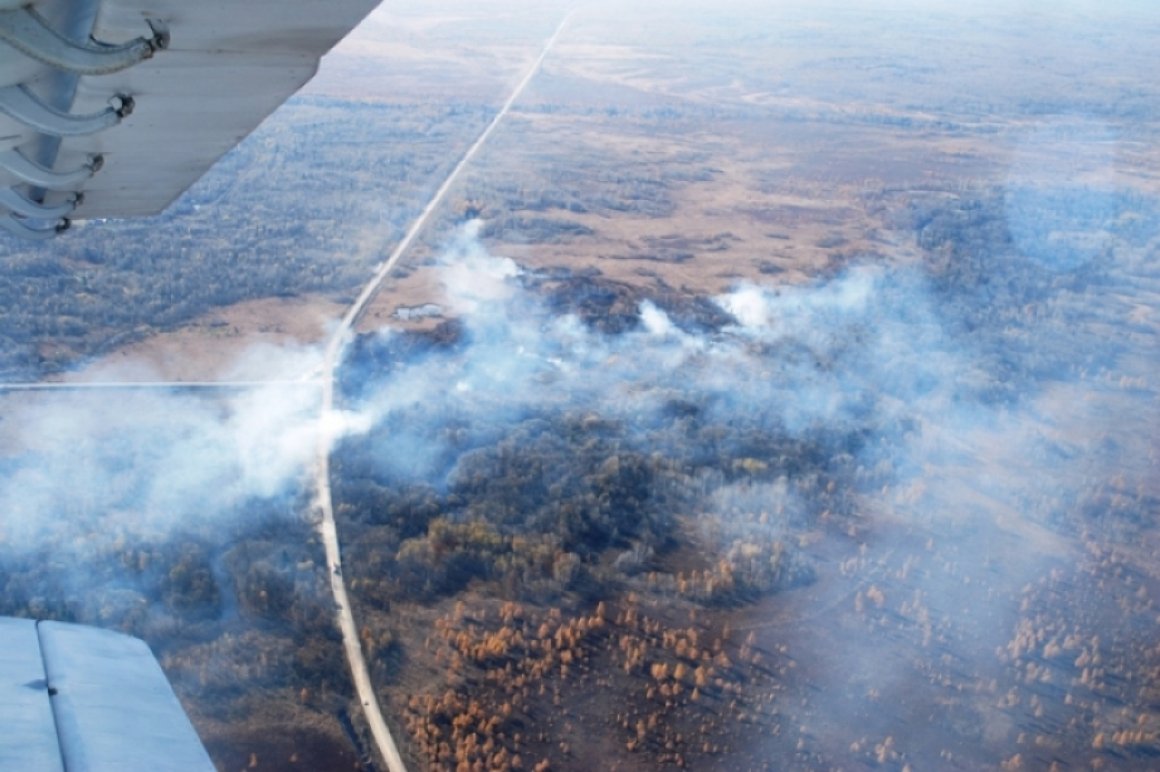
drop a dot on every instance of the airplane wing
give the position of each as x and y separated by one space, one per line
112 108
80 698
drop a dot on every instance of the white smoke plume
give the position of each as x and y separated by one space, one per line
966 409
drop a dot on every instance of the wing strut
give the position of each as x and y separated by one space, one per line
27 31
35 174
18 204
25 231
34 208
20 103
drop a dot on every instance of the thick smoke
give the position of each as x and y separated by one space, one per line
121 506
864 354
919 397
926 369
149 462
979 398
917 370
969 415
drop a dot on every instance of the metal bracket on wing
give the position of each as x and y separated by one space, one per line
19 103
74 53
25 231
28 32
35 174
26 207
25 215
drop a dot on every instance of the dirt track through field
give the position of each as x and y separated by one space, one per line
388 750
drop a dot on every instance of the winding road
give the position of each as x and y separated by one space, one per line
334 350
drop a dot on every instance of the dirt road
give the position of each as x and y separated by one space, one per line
326 525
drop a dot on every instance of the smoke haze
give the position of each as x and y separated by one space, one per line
880 353
984 406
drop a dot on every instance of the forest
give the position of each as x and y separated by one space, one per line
307 204
277 216
541 554
241 619
537 557
575 547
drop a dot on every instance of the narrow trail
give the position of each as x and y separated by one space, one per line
334 350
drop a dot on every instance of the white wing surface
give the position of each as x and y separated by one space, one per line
82 699
128 102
